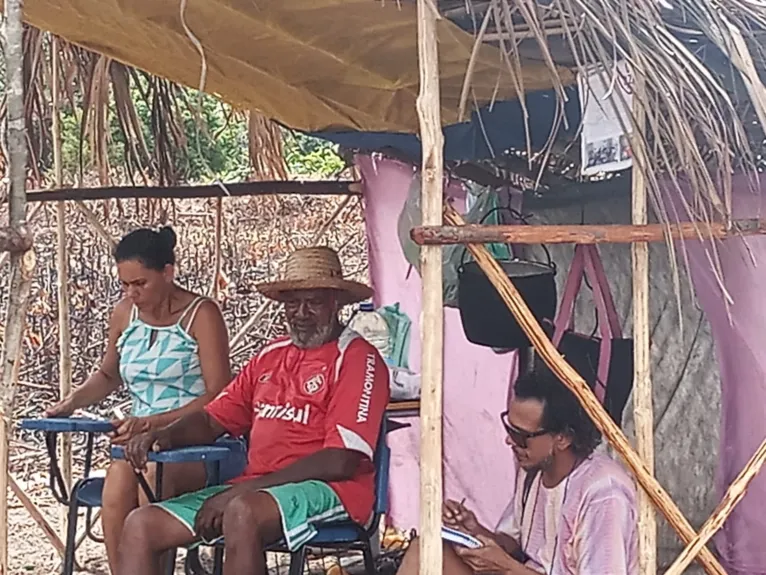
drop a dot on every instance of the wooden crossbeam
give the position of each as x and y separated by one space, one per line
582 234
317 188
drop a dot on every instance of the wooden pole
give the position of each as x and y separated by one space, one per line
583 234
217 254
731 498
432 314
30 218
574 381
643 406
62 269
22 264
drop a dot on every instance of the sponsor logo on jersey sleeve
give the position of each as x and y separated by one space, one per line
363 410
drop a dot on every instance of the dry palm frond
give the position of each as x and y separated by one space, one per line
104 95
699 124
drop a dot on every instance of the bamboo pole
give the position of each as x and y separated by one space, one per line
574 381
22 264
731 498
432 314
643 407
62 269
583 234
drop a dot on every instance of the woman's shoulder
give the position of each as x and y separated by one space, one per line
121 314
202 311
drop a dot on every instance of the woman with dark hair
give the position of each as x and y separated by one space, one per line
170 349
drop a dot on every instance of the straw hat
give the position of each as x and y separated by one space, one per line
315 268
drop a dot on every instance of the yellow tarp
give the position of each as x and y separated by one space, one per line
311 64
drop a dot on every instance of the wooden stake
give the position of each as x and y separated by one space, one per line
432 314
30 218
37 515
731 498
22 264
643 406
583 234
62 269
574 381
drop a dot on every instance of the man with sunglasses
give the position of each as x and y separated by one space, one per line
574 510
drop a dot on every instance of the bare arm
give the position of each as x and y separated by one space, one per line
107 378
196 428
212 338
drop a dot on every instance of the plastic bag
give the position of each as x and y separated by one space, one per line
399 326
481 201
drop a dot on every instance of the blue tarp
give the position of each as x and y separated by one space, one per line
490 132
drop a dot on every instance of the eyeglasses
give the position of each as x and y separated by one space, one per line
519 436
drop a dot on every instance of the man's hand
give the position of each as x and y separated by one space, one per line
137 448
458 517
489 558
127 428
208 524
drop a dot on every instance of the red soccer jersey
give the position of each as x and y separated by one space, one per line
295 402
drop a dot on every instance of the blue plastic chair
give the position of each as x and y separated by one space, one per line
86 492
339 536
349 535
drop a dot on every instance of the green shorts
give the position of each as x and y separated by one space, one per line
302 506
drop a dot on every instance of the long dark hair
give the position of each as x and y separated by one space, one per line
154 250
562 413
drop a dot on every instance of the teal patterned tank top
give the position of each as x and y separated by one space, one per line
160 366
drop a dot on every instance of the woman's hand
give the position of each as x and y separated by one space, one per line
127 428
489 558
63 408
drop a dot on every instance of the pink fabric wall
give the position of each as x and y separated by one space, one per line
478 465
739 342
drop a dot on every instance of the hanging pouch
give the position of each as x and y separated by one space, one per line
605 361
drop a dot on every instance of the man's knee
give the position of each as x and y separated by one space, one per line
141 530
254 516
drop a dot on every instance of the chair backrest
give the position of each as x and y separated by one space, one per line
382 461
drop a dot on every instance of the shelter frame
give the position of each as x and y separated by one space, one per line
432 352
22 260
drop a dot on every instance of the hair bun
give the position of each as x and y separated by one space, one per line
168 237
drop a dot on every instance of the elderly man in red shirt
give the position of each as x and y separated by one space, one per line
312 405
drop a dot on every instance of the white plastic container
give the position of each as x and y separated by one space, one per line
371 326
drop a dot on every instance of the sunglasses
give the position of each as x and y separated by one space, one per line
520 437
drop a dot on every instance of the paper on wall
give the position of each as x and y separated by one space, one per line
606 98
